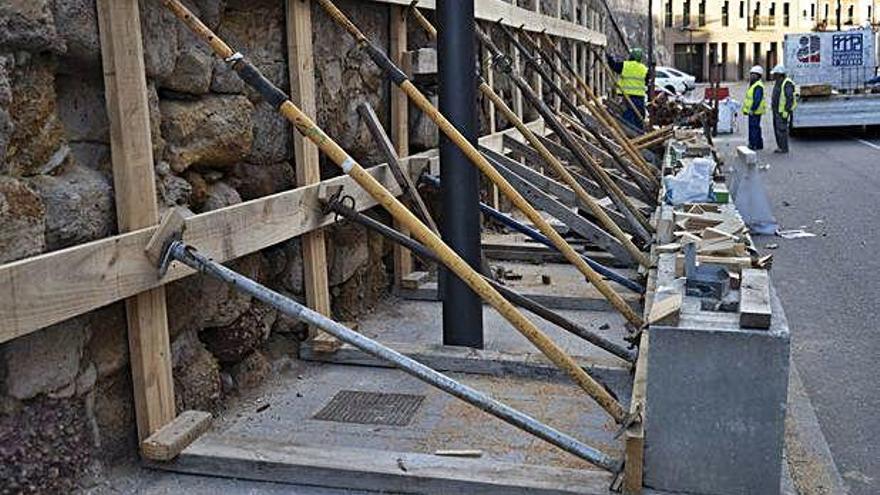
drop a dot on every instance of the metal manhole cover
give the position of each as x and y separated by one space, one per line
371 408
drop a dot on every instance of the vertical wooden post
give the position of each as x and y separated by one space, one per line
302 92
403 263
517 94
490 80
125 89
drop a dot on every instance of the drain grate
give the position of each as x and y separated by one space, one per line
371 408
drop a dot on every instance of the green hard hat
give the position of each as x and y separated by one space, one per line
635 54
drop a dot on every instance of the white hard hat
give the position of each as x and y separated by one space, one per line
779 69
757 70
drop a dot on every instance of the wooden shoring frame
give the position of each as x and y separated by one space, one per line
42 290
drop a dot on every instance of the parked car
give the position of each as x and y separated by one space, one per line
674 80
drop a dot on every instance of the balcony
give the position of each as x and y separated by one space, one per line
689 21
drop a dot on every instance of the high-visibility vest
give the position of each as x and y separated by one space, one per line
783 100
750 99
632 79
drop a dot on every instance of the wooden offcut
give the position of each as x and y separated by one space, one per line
413 280
754 305
171 439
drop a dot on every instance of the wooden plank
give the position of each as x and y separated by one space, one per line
754 304
665 309
412 197
53 287
172 438
136 207
514 16
383 471
308 169
403 261
453 359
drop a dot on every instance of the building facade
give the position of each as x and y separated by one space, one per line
734 35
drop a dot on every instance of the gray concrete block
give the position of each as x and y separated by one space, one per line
715 413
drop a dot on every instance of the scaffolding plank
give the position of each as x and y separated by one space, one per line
384 471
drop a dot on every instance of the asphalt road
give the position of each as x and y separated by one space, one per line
829 185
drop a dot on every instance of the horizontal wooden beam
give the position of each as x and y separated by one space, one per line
512 15
46 289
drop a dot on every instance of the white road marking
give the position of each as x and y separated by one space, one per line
868 143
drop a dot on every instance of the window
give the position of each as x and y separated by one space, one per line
701 19
725 13
826 12
686 18
785 14
812 11
668 13
661 75
850 14
870 15
742 9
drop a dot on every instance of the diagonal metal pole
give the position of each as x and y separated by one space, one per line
548 157
178 251
501 63
592 101
275 97
566 101
338 206
402 81
539 237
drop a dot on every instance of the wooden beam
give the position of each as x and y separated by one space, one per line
172 438
135 192
403 261
40 291
308 170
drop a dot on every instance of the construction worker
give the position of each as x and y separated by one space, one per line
782 103
755 105
632 84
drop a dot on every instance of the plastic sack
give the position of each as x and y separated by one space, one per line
751 200
692 184
727 115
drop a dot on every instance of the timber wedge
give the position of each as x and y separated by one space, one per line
402 81
275 97
548 157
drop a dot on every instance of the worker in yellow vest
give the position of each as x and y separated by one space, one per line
632 84
782 103
755 105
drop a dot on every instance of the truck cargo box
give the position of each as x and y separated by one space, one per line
843 59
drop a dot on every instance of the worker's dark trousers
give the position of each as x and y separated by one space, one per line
780 129
630 117
756 140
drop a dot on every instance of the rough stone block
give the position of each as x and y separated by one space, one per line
716 400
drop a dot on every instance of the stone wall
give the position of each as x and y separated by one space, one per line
631 16
65 391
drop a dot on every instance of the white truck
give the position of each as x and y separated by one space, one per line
834 70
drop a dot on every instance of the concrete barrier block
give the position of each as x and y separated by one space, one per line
715 411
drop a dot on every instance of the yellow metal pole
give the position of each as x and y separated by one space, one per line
446 127
397 210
